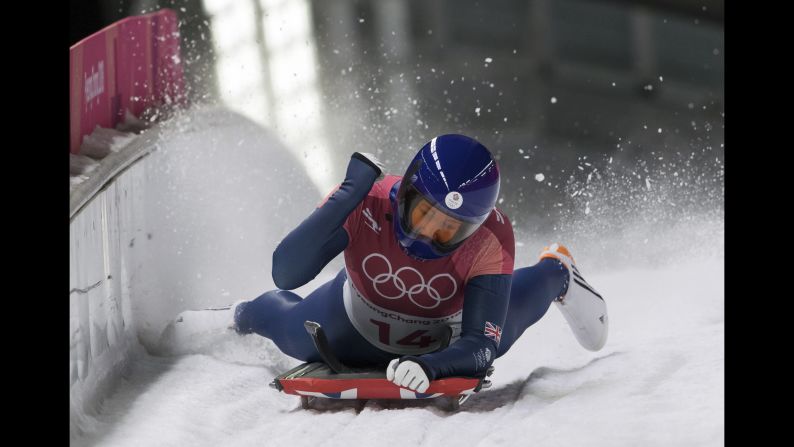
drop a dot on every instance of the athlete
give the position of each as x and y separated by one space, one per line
429 288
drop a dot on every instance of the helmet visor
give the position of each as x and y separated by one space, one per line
422 219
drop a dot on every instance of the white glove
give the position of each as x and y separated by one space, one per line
371 157
408 374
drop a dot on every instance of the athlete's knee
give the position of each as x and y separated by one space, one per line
245 317
240 318
259 314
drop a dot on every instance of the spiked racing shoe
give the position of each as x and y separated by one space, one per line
582 306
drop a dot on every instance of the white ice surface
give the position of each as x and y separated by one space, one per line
659 381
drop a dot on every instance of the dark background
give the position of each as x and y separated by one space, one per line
618 104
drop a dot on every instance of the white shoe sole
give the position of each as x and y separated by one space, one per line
582 306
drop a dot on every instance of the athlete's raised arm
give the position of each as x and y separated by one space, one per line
304 252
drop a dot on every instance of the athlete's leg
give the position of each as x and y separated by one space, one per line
279 315
532 291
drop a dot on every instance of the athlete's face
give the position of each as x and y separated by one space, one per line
432 223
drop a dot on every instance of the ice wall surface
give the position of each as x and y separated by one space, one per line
220 193
191 224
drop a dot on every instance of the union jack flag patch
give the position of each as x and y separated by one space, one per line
493 331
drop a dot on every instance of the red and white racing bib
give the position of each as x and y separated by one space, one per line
404 305
394 331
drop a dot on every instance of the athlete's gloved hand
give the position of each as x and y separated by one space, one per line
408 374
371 160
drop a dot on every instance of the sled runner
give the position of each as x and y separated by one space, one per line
331 379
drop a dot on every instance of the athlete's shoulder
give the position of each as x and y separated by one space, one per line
499 224
494 246
381 189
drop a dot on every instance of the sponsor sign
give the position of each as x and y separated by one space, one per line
130 65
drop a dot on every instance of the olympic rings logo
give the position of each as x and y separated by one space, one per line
399 283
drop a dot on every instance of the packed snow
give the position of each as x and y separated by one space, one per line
658 381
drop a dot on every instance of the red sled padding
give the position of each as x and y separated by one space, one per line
317 380
375 388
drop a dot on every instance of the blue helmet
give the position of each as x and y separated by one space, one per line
447 192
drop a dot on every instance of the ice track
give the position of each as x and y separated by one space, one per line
658 381
220 201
